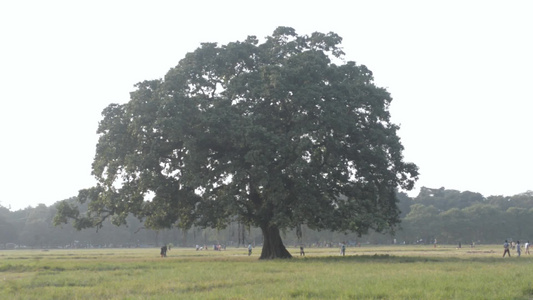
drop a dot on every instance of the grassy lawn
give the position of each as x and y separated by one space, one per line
368 272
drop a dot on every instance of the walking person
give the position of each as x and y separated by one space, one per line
518 248
302 253
249 249
526 247
343 249
506 249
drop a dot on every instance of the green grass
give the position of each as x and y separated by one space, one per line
399 272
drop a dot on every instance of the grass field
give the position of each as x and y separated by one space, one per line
368 272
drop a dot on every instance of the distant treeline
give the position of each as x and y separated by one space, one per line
447 216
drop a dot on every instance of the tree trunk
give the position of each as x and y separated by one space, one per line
272 245
184 233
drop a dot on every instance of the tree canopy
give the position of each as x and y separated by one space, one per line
275 134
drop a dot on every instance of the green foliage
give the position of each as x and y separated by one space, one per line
273 135
451 217
443 199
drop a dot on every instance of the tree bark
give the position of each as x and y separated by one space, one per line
272 244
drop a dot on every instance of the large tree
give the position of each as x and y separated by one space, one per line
274 134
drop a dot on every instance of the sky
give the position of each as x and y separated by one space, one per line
460 74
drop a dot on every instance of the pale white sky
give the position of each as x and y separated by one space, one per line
460 73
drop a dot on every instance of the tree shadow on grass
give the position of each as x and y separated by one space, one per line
393 259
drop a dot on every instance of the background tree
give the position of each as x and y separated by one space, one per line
273 135
485 222
453 225
519 218
20 228
443 199
404 204
35 231
8 232
422 222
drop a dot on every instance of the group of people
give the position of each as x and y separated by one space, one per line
216 247
506 249
166 248
507 246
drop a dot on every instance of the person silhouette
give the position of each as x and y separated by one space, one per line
506 249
